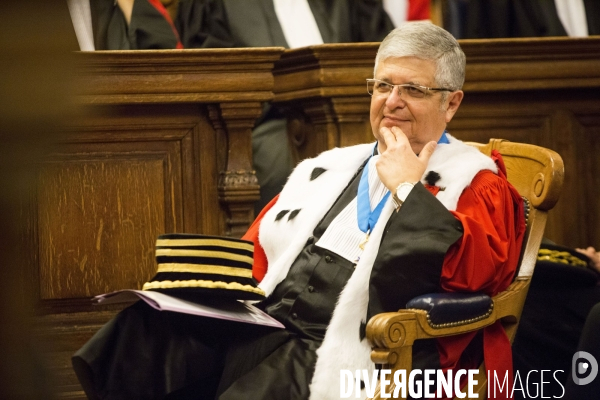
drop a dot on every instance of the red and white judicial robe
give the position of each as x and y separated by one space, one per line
472 189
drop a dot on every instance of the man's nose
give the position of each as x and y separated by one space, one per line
396 98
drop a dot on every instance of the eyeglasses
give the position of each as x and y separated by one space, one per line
382 88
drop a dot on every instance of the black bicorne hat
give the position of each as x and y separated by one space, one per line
562 265
204 267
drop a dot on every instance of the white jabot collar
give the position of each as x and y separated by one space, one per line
572 15
81 15
297 22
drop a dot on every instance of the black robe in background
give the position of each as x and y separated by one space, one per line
148 29
520 18
559 300
254 23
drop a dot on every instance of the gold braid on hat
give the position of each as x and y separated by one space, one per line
562 257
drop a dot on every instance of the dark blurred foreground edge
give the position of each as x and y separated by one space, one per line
36 41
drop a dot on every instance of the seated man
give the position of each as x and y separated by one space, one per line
356 231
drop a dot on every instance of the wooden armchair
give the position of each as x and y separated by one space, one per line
537 173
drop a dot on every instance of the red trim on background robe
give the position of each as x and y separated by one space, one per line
484 260
418 10
165 14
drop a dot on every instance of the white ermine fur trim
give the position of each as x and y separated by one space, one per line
456 163
283 240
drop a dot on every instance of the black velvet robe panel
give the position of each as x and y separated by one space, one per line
412 249
519 18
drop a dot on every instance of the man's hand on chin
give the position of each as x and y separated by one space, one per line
398 163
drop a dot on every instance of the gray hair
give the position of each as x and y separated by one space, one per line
429 42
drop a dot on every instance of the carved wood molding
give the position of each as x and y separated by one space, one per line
531 64
176 76
329 70
327 83
238 191
352 109
238 187
339 70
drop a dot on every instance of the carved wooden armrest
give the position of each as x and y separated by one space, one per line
392 334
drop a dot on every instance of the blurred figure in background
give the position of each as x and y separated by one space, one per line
123 25
401 11
285 23
473 19
593 255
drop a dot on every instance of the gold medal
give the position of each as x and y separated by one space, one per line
364 242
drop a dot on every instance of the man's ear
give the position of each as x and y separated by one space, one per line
454 100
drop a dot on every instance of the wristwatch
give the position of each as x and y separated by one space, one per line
402 192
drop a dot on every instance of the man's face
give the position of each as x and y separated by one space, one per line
422 120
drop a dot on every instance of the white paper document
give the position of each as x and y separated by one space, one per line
231 310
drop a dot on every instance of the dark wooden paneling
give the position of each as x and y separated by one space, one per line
554 120
589 174
118 179
97 219
162 145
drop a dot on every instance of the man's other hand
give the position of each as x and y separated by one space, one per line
593 255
